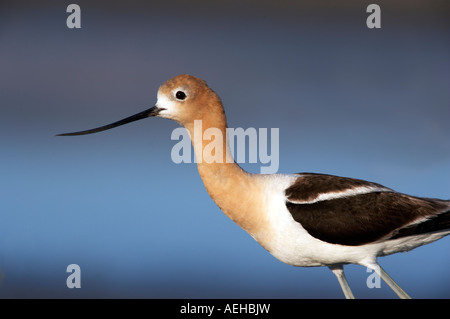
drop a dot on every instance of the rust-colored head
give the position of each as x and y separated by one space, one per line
186 98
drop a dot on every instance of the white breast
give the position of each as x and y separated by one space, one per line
292 244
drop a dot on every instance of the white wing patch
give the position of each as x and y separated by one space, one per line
341 194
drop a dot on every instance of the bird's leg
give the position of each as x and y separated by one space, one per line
338 270
387 279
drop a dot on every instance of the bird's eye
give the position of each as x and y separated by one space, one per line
180 95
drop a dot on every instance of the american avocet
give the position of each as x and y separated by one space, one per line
302 219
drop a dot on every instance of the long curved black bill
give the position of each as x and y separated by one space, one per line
147 113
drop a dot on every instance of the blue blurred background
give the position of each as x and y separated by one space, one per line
348 100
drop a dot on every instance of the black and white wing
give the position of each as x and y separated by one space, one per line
349 211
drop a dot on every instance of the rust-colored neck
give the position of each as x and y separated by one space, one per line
234 190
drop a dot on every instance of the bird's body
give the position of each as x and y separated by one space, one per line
323 232
302 219
299 235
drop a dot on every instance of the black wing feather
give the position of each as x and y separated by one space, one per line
433 224
365 218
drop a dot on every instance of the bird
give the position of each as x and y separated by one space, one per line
302 219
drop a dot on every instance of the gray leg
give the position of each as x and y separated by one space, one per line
338 270
387 279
